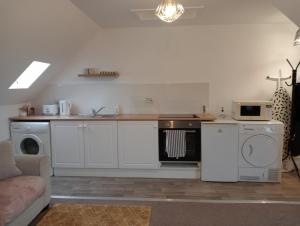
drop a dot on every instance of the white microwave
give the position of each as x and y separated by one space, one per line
252 110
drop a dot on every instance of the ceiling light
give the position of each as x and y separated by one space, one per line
31 73
297 38
169 10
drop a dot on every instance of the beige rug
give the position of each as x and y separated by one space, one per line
96 215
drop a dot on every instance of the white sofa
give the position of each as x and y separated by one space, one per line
23 197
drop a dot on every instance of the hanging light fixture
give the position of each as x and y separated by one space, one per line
297 38
169 10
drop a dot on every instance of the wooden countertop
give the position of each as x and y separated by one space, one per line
122 117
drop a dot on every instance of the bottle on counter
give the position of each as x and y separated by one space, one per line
222 113
118 110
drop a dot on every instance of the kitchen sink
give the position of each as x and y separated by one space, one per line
106 116
97 116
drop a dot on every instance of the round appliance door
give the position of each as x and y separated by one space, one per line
260 150
30 145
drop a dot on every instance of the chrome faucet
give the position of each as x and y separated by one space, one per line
96 112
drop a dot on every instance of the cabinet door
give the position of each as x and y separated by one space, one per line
67 144
138 144
100 140
219 152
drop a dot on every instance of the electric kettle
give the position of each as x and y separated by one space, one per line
64 107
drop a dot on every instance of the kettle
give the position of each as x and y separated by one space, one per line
64 107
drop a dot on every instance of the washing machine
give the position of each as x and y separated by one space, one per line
260 151
31 138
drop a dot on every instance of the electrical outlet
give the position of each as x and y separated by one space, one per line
148 100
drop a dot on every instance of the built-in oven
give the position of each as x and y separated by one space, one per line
179 141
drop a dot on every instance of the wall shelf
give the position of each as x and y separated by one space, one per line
101 74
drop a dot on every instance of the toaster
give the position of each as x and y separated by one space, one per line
51 109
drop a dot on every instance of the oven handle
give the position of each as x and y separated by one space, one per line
187 131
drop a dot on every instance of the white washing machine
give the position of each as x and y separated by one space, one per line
31 138
260 151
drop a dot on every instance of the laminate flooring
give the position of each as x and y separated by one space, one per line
177 189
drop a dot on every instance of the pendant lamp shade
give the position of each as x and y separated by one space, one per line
169 10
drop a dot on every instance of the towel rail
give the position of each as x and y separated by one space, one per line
187 131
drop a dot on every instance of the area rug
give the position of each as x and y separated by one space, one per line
96 215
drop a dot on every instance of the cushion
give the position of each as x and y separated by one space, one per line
17 194
8 166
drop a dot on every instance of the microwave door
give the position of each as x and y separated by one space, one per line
248 110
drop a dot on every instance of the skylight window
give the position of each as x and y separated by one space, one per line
28 77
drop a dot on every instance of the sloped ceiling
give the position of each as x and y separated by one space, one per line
45 30
290 8
118 13
54 31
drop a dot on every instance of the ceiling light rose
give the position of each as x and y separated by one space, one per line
297 38
169 10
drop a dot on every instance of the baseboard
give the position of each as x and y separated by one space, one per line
184 173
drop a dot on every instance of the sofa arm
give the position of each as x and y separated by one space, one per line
34 165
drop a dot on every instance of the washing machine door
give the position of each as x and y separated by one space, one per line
30 145
260 150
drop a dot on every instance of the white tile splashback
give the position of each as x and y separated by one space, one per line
132 98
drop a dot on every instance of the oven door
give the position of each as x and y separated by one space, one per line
192 146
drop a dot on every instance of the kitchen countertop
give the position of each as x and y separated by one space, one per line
121 117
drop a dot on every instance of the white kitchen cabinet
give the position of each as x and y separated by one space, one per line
81 144
67 144
100 139
219 152
138 144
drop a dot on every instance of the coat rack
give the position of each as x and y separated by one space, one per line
293 131
293 114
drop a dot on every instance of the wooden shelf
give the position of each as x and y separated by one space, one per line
101 74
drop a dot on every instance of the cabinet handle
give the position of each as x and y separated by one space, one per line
220 130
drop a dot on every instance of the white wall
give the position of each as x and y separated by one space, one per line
233 59
7 111
132 98
45 30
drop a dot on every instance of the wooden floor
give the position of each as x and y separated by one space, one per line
190 189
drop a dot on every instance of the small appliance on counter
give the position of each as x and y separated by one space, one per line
256 110
51 109
26 110
64 107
